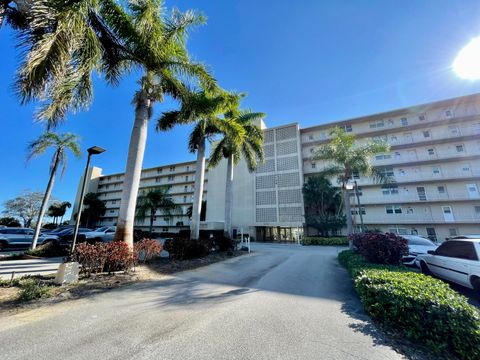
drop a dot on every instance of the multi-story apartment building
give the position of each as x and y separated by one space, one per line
434 159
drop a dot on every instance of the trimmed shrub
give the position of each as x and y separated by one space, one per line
419 307
147 249
332 241
184 249
381 248
103 257
49 249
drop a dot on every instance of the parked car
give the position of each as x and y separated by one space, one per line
56 230
22 238
416 245
66 235
103 234
456 261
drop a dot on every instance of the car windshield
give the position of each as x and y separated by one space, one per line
416 240
102 229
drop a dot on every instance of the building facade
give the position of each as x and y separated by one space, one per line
434 160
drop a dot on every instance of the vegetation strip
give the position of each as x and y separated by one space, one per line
419 307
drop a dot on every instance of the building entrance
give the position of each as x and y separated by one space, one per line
279 234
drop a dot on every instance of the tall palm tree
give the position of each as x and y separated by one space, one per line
233 146
60 143
206 112
344 158
155 199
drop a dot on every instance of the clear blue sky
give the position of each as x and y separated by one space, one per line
308 61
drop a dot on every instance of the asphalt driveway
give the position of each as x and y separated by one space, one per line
281 302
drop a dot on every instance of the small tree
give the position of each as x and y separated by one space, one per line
10 221
153 200
323 205
344 158
25 206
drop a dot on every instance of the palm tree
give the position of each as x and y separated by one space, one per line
247 144
94 209
155 199
62 209
344 157
205 111
61 143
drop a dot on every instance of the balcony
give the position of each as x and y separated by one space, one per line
412 197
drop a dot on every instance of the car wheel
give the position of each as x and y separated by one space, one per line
425 269
476 286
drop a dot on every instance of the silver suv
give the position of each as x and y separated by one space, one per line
22 238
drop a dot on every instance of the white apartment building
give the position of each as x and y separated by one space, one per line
434 159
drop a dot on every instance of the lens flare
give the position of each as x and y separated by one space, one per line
467 62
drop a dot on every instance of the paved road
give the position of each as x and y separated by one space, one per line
29 267
281 302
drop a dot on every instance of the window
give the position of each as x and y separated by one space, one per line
383 157
448 113
312 150
401 172
186 177
452 232
421 117
346 128
404 121
112 211
390 190
431 151
314 165
393 209
393 138
459 148
359 191
310 137
188 168
114 202
409 210
390 122
476 208
422 195
172 168
397 155
441 189
436 170
377 124
454 130
157 179
185 188
355 175
426 133
387 171
118 177
184 199
171 177
466 167
457 249
354 210
107 187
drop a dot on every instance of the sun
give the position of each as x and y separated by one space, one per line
467 62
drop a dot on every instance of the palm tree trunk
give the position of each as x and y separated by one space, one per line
229 198
46 198
362 227
348 213
198 193
133 171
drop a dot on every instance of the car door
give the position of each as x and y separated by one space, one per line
453 260
437 262
28 237
109 234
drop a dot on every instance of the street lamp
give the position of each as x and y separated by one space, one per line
94 150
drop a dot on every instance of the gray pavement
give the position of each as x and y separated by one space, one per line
28 267
281 302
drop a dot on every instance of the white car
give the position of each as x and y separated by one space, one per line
416 245
454 260
103 234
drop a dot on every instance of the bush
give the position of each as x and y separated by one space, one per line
223 243
333 241
184 249
103 257
31 289
147 249
49 249
419 307
381 248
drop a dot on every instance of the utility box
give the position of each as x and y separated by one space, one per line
67 273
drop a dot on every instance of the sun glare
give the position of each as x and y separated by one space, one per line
467 62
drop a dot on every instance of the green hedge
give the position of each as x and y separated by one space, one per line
421 308
324 241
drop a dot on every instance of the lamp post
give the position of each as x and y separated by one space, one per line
94 150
